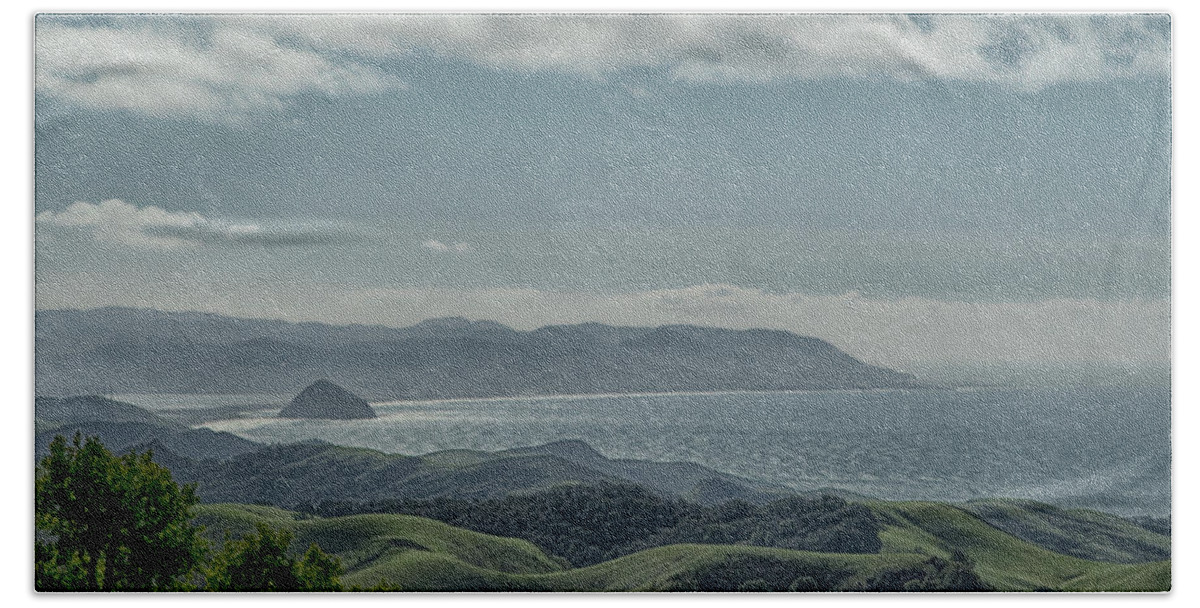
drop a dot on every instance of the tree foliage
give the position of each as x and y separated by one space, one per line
111 523
747 573
934 574
121 523
259 561
750 572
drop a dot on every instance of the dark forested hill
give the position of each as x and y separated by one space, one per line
307 473
590 523
120 350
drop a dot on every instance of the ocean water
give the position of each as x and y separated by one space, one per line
1100 447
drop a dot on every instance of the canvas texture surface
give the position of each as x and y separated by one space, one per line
741 303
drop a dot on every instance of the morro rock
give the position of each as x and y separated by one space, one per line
324 399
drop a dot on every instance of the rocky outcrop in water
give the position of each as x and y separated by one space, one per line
324 399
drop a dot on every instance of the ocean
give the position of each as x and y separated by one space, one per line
1102 447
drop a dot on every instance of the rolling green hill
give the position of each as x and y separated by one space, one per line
421 554
1002 560
727 568
921 542
1078 532
414 552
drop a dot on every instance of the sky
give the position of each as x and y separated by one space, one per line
920 190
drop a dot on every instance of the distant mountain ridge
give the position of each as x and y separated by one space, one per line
122 350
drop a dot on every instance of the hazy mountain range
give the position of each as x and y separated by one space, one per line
122 350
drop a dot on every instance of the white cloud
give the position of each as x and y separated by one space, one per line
115 221
1028 51
154 68
227 67
150 227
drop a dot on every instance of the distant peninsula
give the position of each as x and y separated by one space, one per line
124 350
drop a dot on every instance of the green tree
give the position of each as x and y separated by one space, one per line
109 523
319 571
259 561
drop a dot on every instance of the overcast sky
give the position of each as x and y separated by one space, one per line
918 190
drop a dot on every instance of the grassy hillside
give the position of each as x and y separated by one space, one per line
1077 532
1154 576
713 567
1002 560
421 554
412 551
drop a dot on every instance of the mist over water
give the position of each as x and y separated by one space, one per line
1107 448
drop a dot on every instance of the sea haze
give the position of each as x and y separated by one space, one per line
1098 447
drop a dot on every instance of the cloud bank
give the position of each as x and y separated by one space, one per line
221 67
1028 51
117 222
